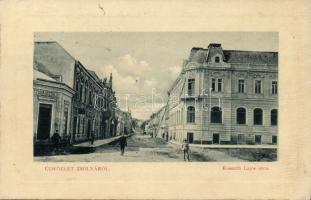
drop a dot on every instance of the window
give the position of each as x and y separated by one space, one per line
241 116
241 86
274 117
190 114
90 97
274 88
213 84
216 116
219 85
257 139
217 59
257 86
258 116
274 139
80 91
191 87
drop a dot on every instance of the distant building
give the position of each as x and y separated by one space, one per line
225 97
157 126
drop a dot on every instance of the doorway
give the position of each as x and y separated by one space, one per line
216 138
44 121
190 137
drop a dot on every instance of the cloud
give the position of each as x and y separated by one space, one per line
136 83
174 71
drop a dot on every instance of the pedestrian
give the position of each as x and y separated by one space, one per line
185 148
92 137
56 140
123 144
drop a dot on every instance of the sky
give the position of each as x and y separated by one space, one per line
145 64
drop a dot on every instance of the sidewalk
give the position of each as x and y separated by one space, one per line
228 146
97 143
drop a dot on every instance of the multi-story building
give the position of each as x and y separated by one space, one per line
225 97
92 102
157 126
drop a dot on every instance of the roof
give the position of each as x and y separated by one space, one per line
199 55
254 57
94 75
39 75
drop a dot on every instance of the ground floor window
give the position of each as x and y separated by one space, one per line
257 139
274 139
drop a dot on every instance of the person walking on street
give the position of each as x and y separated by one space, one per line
56 140
185 148
92 137
123 144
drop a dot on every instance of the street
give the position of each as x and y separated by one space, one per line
143 148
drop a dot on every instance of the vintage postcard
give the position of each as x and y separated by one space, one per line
155 100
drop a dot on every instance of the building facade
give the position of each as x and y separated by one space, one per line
157 125
68 93
225 97
52 108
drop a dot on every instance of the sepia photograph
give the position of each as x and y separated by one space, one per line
155 99
155 96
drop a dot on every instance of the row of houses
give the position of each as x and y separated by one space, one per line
223 97
72 100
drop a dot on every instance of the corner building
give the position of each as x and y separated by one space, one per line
225 97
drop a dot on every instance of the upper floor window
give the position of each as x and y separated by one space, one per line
241 86
258 116
219 85
274 117
90 97
191 83
241 116
217 59
257 86
274 87
81 92
190 114
216 115
213 84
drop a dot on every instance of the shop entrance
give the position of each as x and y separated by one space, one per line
44 121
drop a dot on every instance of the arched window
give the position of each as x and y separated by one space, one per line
216 115
217 59
274 117
190 114
258 116
241 116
